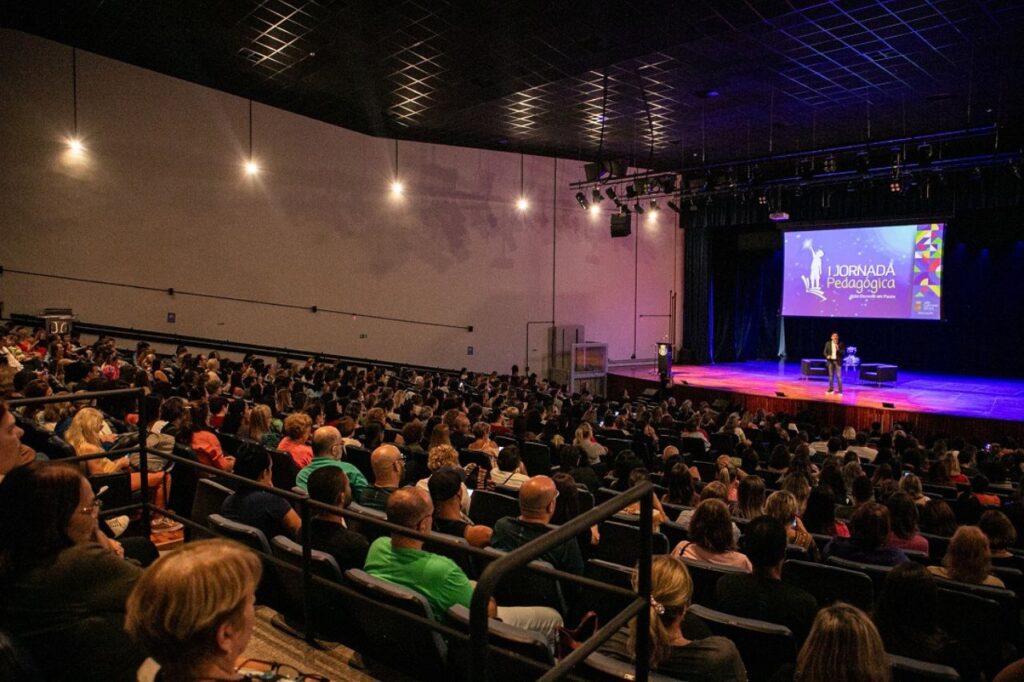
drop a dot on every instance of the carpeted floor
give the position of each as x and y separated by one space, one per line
335 661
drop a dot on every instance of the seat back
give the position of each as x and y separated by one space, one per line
937 545
911 670
118 485
327 603
487 507
461 558
708 470
537 458
602 668
525 643
705 577
370 531
692 446
285 470
764 647
250 536
604 494
360 458
877 573
183 492
478 457
829 584
422 651
1007 600
722 444
617 445
620 543
209 499
524 587
675 532
605 604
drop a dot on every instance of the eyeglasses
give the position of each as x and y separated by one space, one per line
255 669
93 509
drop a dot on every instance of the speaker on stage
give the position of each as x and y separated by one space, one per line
664 360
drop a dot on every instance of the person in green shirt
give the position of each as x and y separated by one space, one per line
328 450
401 560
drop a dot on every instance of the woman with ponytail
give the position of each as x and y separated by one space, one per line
671 652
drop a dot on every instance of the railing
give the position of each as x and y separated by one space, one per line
496 570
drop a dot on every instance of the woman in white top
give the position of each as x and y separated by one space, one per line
585 439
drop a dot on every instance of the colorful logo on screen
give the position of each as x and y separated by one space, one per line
928 271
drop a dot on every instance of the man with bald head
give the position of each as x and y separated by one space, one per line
388 468
328 449
401 560
536 506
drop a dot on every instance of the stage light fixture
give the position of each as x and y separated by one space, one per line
828 164
75 146
805 169
863 163
672 205
251 167
397 188
596 194
762 199
522 204
594 209
925 152
638 208
631 190
654 204
612 195
778 216
581 199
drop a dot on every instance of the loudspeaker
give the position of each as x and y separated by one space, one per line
889 406
780 394
622 225
649 393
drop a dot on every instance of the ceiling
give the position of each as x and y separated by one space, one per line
582 79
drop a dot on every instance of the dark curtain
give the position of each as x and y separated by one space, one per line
732 294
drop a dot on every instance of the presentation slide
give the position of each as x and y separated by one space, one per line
892 272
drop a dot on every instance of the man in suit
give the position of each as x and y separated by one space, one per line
834 357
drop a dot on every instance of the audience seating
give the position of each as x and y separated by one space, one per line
764 647
722 444
251 537
621 543
536 458
467 457
360 457
119 488
524 587
327 604
407 645
976 621
829 584
910 670
674 532
602 668
370 531
209 499
877 573
605 604
708 470
487 507
284 471
705 577
524 643
616 445
695 447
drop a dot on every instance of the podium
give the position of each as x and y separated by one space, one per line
664 361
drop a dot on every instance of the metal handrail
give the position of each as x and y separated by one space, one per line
485 586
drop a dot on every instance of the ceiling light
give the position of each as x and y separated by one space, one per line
75 146
397 188
522 204
581 199
251 167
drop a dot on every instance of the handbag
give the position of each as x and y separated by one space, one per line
570 640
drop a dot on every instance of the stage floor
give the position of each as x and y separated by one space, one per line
961 396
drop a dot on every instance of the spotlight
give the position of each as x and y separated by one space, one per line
522 203
895 185
654 205
828 165
75 146
581 199
667 183
638 208
631 190
597 196
594 209
672 205
397 188
251 168
925 154
611 194
762 199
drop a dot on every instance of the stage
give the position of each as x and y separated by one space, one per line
988 408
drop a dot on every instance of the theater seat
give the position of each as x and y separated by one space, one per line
764 647
705 577
486 507
620 543
911 670
327 603
395 639
603 668
526 644
209 499
829 584
250 536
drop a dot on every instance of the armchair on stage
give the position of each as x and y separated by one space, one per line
811 368
878 374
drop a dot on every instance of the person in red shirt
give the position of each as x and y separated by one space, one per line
297 428
204 442
979 486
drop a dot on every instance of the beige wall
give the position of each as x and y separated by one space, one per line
160 200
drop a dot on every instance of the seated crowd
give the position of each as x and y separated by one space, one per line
920 519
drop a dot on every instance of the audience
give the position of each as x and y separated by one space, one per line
194 611
763 595
820 515
64 583
328 531
843 646
750 499
903 514
672 653
783 506
510 472
968 559
711 538
388 466
256 507
297 428
536 507
446 490
329 451
401 559
937 518
869 531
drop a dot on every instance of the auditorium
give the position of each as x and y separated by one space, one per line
503 341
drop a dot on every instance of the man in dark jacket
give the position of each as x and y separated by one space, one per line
536 505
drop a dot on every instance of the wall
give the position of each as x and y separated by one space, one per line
160 199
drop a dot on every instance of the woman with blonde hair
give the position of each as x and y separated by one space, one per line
260 427
843 646
86 436
483 442
194 610
441 456
968 559
671 652
584 438
783 505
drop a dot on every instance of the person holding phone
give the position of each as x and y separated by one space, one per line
834 351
